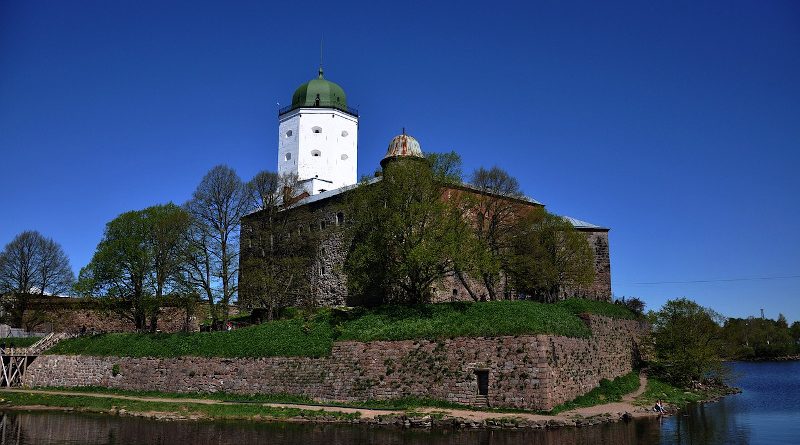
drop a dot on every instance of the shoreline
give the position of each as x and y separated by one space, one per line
423 417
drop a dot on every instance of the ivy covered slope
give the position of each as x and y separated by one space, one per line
313 335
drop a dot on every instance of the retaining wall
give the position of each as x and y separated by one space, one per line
528 371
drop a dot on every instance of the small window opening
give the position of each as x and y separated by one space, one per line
340 219
483 381
316 130
344 157
289 134
321 269
344 133
322 225
316 153
288 156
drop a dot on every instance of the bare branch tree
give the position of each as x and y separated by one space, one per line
32 264
217 205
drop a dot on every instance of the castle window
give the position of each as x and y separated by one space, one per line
483 381
322 225
316 153
289 134
288 156
340 219
316 129
344 157
345 133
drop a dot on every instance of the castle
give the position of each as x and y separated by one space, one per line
317 144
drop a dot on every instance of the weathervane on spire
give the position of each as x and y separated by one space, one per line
320 55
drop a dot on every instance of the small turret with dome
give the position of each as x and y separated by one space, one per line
402 146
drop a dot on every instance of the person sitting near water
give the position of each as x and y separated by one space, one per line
659 408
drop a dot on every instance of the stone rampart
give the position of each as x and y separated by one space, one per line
527 371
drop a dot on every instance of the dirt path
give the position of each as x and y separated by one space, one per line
626 406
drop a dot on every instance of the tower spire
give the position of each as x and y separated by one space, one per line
320 56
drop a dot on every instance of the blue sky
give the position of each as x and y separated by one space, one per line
676 124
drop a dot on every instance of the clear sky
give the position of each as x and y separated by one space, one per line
675 124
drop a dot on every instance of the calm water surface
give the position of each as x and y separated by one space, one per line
767 413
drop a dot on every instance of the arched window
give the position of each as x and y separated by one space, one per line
289 134
340 219
316 153
316 129
288 156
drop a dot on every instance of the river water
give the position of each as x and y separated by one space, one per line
768 412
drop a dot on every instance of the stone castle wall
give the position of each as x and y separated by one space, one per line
529 371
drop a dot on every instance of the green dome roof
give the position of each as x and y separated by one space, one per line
319 93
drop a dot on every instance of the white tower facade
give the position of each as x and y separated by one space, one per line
318 137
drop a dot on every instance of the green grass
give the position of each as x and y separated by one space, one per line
313 336
226 411
659 389
19 342
221 396
608 391
446 320
289 338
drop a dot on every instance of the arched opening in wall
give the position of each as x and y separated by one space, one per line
316 129
483 381
288 156
316 153
322 225
340 219
344 133
344 157
289 134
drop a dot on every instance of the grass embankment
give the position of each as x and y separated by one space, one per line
214 411
608 391
313 335
19 342
659 389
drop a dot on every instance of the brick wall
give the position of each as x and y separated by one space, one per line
531 371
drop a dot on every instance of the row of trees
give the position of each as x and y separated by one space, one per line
691 341
757 338
413 228
188 252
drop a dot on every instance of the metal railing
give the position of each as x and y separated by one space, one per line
321 104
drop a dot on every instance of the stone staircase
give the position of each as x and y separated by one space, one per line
480 402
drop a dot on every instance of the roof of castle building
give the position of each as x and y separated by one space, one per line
578 224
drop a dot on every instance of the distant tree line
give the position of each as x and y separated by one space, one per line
755 338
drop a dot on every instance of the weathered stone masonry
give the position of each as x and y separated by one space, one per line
529 371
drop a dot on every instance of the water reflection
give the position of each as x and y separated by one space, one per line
20 428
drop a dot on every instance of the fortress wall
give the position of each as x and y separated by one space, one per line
531 371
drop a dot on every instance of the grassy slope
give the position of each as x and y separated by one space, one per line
608 391
314 336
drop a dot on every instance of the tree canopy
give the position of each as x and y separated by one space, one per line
32 264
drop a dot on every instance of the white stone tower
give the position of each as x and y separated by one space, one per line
318 137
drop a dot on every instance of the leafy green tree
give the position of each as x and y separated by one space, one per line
283 247
688 341
137 262
446 166
31 265
548 255
494 213
405 236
